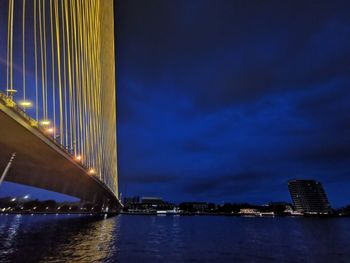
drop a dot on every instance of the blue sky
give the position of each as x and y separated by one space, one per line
226 101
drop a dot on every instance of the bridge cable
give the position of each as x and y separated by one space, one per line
53 73
36 66
23 53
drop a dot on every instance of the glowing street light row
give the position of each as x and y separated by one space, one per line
79 159
45 123
27 104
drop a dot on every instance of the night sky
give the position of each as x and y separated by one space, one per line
225 101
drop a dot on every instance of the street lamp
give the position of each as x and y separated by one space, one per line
25 104
45 122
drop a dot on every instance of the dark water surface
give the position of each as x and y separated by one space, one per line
143 239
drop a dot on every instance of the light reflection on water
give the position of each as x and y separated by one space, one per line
144 239
52 238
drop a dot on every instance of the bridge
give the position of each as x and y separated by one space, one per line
58 98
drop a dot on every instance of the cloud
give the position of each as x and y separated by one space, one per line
230 98
233 181
244 61
325 153
151 178
194 146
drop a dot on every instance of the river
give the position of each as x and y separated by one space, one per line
128 238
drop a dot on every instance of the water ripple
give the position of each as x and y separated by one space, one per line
172 239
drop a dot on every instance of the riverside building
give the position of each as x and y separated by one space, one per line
309 197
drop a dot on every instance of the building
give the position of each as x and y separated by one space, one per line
131 200
249 211
194 207
280 208
155 203
151 200
146 204
309 197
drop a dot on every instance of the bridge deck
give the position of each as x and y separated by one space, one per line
40 162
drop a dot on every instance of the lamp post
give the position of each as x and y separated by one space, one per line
8 166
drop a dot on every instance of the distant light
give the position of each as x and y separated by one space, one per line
45 122
11 90
91 171
26 197
78 158
25 103
50 130
13 199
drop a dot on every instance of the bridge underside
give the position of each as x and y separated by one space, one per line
40 162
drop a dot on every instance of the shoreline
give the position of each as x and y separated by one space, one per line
170 214
230 214
64 213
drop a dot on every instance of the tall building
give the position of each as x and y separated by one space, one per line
309 197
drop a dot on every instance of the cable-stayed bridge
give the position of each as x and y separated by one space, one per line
57 96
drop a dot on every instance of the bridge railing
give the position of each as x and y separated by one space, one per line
9 103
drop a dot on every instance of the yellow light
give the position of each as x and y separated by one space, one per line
45 122
50 130
91 171
78 158
25 103
11 90
33 123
